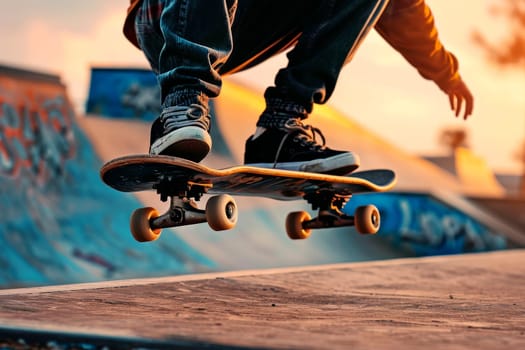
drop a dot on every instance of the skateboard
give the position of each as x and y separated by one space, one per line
184 183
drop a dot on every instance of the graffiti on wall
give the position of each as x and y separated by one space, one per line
59 223
424 225
124 93
35 135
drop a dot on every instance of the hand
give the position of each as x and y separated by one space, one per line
459 94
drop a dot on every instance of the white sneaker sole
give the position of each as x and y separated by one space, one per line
340 164
190 142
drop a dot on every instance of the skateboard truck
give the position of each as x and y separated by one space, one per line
220 213
182 211
170 186
329 204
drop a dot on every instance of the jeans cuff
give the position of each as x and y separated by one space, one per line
278 111
186 97
276 104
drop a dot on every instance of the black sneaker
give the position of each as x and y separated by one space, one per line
295 147
182 131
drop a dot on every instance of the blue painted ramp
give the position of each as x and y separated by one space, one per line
59 223
423 224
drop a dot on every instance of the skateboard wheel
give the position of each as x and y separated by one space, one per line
221 212
294 225
140 224
367 219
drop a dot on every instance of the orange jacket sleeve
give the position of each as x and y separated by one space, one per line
129 23
408 26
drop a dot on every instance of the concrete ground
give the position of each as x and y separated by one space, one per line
451 302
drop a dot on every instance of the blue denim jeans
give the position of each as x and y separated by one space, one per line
191 44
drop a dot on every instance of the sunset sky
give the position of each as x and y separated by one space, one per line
378 89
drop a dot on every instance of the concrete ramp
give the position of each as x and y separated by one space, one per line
475 174
472 171
463 302
512 209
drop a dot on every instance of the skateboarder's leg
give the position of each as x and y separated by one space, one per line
325 35
188 44
262 29
329 40
185 42
189 62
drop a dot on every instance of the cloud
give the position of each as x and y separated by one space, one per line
65 38
65 15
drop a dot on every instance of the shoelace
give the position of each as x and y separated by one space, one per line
304 133
181 116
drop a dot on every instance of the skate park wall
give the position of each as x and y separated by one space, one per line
472 171
425 224
59 223
128 93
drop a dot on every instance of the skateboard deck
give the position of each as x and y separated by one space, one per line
144 172
185 181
